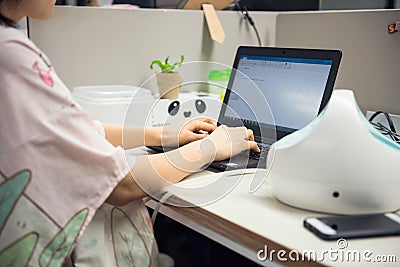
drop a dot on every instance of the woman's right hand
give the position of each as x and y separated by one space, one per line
229 141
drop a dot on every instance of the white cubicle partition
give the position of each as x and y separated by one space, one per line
115 46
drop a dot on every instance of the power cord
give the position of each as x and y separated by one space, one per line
246 16
391 131
161 201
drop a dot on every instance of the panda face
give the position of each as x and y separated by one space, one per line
199 104
166 111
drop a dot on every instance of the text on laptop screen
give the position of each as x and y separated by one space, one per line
292 87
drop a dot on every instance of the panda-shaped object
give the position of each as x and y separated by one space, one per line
187 106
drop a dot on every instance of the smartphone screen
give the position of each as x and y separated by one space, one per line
354 226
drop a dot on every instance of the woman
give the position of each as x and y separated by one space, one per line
57 169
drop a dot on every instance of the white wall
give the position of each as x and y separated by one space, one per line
107 46
115 46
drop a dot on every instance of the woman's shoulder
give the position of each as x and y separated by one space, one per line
10 35
15 46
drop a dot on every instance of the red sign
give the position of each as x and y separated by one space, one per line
392 28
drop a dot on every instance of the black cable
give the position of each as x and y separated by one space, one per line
28 32
258 36
386 131
246 16
181 4
391 131
389 120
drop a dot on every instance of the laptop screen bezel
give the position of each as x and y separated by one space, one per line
302 53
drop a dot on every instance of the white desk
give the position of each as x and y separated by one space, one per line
247 222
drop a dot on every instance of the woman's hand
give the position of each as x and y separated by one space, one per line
229 141
186 132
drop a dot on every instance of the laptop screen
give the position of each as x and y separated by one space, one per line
285 90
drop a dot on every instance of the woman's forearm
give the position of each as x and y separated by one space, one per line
152 173
132 136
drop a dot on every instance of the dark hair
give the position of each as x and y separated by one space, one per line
4 20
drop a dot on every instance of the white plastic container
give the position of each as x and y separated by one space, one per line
109 103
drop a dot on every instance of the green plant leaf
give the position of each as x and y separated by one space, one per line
178 63
10 191
157 62
56 251
165 66
19 253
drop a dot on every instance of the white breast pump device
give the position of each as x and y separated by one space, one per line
337 164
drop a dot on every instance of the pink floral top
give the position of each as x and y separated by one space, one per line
55 169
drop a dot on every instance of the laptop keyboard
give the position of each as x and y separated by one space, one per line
263 153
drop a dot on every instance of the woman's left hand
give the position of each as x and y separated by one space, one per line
187 131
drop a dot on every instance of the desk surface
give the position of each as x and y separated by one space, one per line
246 223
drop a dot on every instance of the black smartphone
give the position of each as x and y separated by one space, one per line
354 226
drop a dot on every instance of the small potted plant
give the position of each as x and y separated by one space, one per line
168 80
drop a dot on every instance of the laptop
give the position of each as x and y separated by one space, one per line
275 92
